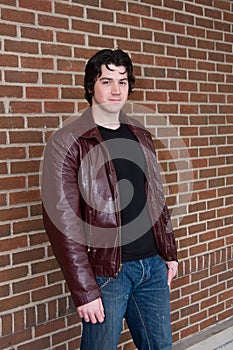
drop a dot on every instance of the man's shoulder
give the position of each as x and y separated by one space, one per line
73 128
134 122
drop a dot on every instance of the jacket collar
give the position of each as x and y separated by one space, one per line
85 125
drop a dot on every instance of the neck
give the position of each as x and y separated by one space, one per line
107 120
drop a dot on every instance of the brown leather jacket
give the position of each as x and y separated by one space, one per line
81 209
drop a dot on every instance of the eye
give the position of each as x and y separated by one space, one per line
106 82
123 83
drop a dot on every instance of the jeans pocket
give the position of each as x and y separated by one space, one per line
103 281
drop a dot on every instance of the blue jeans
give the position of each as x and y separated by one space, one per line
140 294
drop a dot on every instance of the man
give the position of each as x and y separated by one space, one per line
106 217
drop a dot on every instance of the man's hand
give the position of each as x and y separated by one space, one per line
171 270
92 312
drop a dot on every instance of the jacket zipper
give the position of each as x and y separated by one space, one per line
116 193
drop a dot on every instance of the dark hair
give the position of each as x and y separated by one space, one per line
106 57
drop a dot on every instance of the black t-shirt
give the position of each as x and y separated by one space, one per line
138 240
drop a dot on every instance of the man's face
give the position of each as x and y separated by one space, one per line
111 89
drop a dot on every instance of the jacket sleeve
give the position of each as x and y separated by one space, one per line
62 215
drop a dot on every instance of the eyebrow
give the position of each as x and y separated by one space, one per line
106 78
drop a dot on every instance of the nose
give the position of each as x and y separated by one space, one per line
115 89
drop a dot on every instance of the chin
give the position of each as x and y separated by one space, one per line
112 107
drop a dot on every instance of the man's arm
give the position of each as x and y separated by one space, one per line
63 218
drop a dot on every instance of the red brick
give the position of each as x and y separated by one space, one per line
88 2
18 16
204 22
29 284
224 47
6 324
21 77
187 86
22 46
183 41
37 62
25 167
69 10
37 151
163 13
33 180
100 15
198 54
72 93
71 65
8 2
8 60
18 320
52 21
166 84
70 38
216 56
85 26
100 41
13 153
189 331
178 96
164 38
138 9
41 122
25 107
35 209
206 87
59 107
19 337
196 97
64 335
28 226
3 200
11 91
8 30
5 290
43 343
44 5
168 108
193 8
26 136
4 259
56 50
13 182
128 19
184 18
5 230
24 197
13 213
154 72
12 274
222 4
46 292
44 266
37 34
56 79
223 26
41 92
227 17
153 48
114 31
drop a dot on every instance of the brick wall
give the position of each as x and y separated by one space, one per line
183 58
